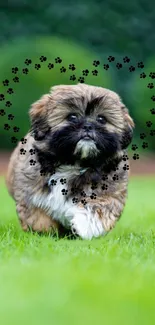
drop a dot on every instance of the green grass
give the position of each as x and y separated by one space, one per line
111 280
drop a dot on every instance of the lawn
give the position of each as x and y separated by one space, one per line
111 280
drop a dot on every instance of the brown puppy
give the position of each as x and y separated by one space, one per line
72 175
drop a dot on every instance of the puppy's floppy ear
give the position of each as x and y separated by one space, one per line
128 128
38 117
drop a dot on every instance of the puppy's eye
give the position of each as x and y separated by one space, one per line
72 118
101 119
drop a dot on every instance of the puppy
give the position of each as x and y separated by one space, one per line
70 175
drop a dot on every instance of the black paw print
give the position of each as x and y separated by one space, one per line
84 202
37 66
134 147
22 151
152 132
152 75
53 182
8 103
32 151
43 58
81 79
25 71
94 186
14 139
145 145
28 61
50 65
148 123
152 110
42 172
2 112
16 79
32 162
75 200
16 129
132 68
74 190
63 181
93 196
2 97
118 65
95 72
72 67
104 177
111 58
10 91
73 77
63 69
140 65
115 169
83 194
106 66
64 192
115 177
142 135
6 127
125 157
58 60
126 167
135 156
104 187
126 59
150 85
153 98
14 70
85 72
10 117
23 141
143 75
96 63
6 82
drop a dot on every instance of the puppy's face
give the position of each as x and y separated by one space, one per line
81 123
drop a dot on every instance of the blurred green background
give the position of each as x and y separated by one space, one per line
79 33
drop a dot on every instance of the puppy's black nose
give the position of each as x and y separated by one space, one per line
87 127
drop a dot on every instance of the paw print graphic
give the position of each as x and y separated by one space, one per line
104 177
16 129
132 68
32 162
150 85
106 66
10 117
126 59
43 58
64 192
37 66
74 190
25 71
22 151
16 79
111 58
140 65
93 196
85 72
148 123
134 147
72 67
115 169
145 145
94 186
135 156
83 194
84 202
58 60
152 110
53 182
152 132
95 72
152 75
125 157
143 75
115 177
32 151
6 127
50 65
2 112
104 187
23 141
73 77
153 98
126 167
63 69
118 65
42 172
15 70
6 82
142 135
63 181
81 79
28 61
2 97
75 200
96 63
8 103
14 139
10 91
